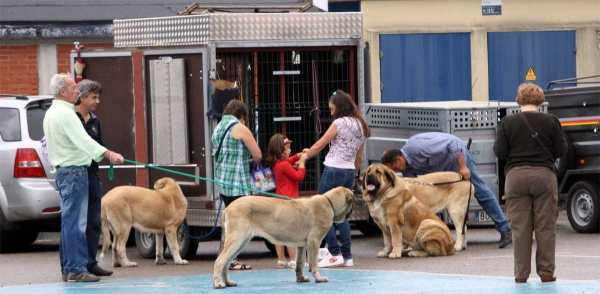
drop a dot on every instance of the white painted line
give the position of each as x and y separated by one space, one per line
557 255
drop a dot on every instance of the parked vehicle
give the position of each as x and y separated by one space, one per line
29 199
578 109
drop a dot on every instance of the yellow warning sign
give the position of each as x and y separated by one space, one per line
530 75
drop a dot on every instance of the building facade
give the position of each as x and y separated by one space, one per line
449 50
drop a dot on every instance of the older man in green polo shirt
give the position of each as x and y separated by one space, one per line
71 150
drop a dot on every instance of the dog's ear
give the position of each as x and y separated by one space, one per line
390 175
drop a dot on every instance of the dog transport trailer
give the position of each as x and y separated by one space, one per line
156 94
578 109
393 123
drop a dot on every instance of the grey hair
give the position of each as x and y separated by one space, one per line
58 83
86 87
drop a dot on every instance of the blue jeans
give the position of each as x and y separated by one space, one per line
94 227
486 198
72 182
333 178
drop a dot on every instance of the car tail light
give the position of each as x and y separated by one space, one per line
28 164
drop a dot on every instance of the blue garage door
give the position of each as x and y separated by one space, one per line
425 67
551 56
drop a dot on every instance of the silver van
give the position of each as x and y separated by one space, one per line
29 198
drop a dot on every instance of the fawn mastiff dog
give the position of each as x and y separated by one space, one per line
402 218
299 222
453 196
159 211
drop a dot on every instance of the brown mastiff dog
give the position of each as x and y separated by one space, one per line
451 195
300 222
402 218
159 211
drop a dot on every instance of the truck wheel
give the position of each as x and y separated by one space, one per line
146 244
270 246
26 238
566 161
583 207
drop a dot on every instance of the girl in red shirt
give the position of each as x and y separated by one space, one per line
286 180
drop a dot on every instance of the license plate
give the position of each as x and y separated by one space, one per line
482 216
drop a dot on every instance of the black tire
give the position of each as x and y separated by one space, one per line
146 244
368 228
7 238
583 207
26 238
270 246
187 246
566 161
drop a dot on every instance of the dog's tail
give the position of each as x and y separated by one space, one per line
432 234
105 232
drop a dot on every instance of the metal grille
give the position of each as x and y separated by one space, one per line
277 86
469 119
424 119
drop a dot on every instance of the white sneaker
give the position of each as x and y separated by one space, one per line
348 262
329 261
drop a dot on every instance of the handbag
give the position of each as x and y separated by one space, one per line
535 135
262 178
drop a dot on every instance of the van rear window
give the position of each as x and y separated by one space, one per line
10 124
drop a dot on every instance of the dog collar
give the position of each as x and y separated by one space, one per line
329 203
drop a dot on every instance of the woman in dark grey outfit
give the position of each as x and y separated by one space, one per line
531 187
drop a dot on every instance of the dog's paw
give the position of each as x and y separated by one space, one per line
219 285
302 279
322 280
458 248
230 283
382 254
160 261
182 262
417 253
130 264
395 256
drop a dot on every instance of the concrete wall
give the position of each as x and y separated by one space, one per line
441 16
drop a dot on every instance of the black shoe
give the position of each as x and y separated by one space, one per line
505 238
82 277
64 277
98 271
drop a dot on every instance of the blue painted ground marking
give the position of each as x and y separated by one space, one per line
340 281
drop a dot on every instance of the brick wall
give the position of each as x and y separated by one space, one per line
18 70
63 53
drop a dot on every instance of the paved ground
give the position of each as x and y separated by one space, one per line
481 268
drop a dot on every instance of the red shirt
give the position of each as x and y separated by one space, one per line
287 178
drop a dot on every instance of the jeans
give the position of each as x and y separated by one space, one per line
94 227
332 178
72 182
486 197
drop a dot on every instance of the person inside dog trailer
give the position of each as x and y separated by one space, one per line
436 152
531 187
346 139
235 145
286 181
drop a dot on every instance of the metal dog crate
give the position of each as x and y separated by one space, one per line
393 123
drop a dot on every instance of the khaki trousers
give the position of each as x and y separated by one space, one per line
532 206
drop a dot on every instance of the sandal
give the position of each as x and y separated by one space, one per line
282 264
239 267
292 264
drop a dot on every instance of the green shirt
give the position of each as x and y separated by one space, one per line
67 141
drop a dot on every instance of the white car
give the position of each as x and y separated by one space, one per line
29 198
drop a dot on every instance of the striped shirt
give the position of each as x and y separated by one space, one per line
67 141
432 152
233 165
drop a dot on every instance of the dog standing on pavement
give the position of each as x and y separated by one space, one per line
402 218
300 222
159 211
